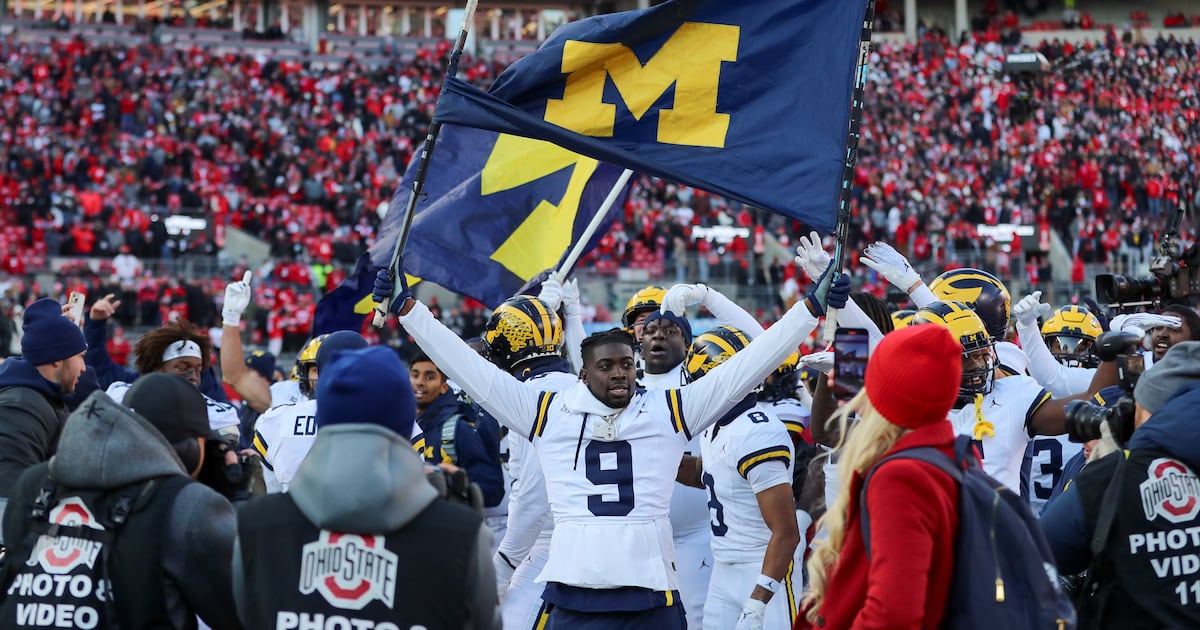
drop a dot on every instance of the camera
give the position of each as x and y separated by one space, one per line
1026 71
1084 418
1175 276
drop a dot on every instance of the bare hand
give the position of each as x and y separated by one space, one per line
104 307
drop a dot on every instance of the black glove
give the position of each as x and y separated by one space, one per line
231 481
1117 342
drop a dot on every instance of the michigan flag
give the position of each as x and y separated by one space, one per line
750 100
346 307
499 210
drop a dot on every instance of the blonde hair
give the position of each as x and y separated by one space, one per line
860 447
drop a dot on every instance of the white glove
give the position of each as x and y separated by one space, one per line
1030 308
551 294
820 361
752 615
1144 321
237 298
570 296
681 296
811 257
888 262
504 573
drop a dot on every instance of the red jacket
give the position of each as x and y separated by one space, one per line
914 517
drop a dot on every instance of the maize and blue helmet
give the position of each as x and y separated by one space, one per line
1070 333
520 329
981 292
711 349
979 355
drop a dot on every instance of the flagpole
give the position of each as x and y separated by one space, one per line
842 232
435 127
597 220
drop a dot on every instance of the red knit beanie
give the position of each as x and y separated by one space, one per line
914 375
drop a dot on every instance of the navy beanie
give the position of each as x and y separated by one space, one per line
367 386
684 326
262 362
48 335
336 343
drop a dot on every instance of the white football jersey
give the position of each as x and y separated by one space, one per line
742 457
689 506
283 436
609 473
285 393
1009 407
793 413
1045 459
221 416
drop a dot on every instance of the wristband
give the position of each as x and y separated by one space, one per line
768 583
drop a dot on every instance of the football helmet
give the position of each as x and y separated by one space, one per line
902 319
979 355
981 292
712 349
520 329
648 299
305 360
783 381
1070 333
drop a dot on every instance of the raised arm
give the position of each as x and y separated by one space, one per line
894 267
567 293
731 381
680 296
511 402
255 391
1043 367
95 332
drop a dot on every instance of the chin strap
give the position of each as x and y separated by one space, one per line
983 428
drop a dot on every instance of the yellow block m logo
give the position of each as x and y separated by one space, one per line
690 60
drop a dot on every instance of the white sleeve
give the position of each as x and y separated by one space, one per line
1043 367
922 296
705 401
510 401
730 314
767 475
852 316
573 336
273 485
525 522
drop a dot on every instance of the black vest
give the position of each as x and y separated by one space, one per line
1149 575
51 577
298 574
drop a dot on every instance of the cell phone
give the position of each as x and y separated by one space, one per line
850 349
75 301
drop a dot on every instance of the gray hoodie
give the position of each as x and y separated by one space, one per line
366 479
104 445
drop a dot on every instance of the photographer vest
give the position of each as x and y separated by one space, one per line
1149 576
87 559
301 576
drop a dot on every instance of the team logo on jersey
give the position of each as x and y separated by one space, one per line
349 570
1172 491
62 554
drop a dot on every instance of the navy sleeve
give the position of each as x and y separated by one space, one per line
1065 527
211 386
95 332
473 457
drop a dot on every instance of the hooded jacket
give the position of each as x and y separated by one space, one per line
32 413
472 455
378 489
105 446
1140 597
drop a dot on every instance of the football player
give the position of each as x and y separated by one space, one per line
524 338
610 453
1001 412
745 465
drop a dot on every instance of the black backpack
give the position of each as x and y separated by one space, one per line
1004 571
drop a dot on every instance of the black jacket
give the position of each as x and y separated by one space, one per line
32 413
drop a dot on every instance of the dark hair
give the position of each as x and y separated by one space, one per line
876 310
421 357
1187 315
612 335
148 351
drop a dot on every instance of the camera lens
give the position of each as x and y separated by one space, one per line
1113 290
1084 420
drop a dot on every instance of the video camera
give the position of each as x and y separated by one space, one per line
1084 419
1176 276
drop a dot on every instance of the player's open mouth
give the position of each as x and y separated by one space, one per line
619 390
656 348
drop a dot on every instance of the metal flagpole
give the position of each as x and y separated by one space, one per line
418 185
842 232
582 242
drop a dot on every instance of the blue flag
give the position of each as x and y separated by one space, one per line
347 306
750 100
499 210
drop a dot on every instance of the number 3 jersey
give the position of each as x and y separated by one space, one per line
746 452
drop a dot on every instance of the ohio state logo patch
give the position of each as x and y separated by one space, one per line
62 554
349 570
1172 491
